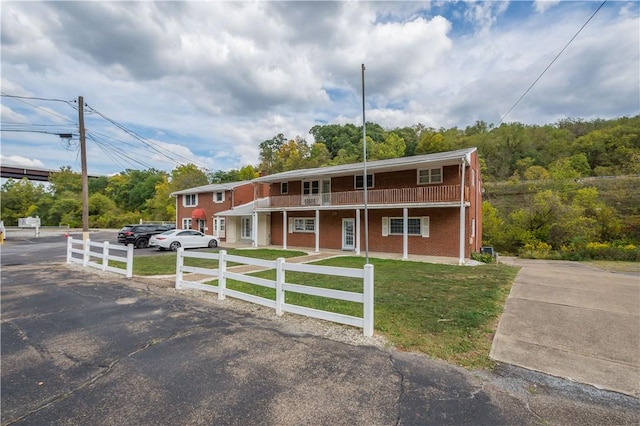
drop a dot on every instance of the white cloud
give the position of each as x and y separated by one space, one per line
542 5
17 160
209 81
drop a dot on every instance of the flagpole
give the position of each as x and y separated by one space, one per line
364 178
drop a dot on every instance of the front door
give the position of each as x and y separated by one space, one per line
347 234
245 227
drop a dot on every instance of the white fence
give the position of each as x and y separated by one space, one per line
281 286
104 254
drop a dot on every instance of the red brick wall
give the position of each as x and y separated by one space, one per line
443 240
241 195
443 237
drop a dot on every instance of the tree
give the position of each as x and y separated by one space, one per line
65 180
187 176
103 212
492 226
162 206
23 198
392 146
269 153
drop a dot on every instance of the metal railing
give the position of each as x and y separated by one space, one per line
417 195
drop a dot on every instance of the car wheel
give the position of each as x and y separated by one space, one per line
213 244
141 243
174 246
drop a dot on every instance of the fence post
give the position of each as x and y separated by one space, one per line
105 255
279 285
69 247
129 261
87 252
368 300
222 274
179 265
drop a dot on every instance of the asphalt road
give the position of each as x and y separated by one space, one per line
83 347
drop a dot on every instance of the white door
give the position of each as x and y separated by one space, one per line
222 226
326 192
347 234
245 227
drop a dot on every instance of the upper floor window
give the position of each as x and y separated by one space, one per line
427 176
358 179
310 187
190 200
284 187
218 197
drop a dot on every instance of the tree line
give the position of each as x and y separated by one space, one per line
552 158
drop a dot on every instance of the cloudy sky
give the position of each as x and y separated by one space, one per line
206 82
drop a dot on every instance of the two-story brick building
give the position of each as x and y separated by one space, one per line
421 205
196 208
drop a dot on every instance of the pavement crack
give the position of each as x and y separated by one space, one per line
104 371
400 386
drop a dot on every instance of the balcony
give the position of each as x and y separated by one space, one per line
419 195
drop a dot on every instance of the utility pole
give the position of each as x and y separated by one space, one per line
85 177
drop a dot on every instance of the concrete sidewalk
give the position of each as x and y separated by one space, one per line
573 321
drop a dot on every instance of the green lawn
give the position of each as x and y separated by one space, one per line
446 311
165 263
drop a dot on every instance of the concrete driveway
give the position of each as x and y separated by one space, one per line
573 321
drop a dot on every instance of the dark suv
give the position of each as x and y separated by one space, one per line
139 235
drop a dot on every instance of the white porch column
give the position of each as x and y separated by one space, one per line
357 231
254 230
405 233
285 229
317 231
462 221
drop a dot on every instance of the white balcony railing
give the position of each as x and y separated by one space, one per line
419 195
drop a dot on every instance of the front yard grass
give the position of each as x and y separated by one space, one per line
165 263
446 311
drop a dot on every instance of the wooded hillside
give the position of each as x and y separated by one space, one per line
538 195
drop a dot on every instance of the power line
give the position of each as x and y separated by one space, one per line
551 63
147 143
22 99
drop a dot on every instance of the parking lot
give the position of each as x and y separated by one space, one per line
84 347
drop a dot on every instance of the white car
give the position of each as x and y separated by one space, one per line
187 238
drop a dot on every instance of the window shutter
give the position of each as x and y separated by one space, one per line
385 226
424 226
290 225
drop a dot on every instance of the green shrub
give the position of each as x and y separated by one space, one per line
483 257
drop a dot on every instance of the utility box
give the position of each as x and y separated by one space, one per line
488 250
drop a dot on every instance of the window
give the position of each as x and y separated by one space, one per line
310 187
218 197
284 187
427 176
186 223
190 200
418 226
360 178
302 224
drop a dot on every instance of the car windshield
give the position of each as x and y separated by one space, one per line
127 228
169 232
